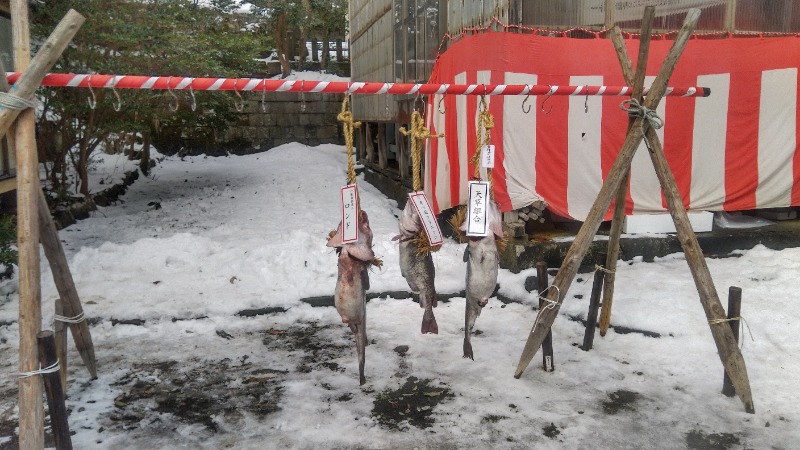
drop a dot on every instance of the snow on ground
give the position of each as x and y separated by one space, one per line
165 272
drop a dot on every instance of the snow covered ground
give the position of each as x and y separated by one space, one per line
166 273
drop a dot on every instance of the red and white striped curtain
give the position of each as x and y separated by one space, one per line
735 150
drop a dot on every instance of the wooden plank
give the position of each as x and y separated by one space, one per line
55 394
584 238
8 184
637 81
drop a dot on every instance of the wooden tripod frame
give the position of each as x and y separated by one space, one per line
613 186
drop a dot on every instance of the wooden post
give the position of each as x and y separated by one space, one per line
734 311
730 16
543 282
594 305
65 285
36 69
402 154
31 409
370 144
610 13
727 347
55 395
31 412
60 337
637 81
383 152
584 238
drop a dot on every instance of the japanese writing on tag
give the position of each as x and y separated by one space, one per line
487 156
350 213
477 208
428 217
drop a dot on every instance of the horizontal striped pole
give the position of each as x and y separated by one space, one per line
335 87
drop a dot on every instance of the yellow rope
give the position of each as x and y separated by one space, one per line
419 132
485 125
346 117
418 135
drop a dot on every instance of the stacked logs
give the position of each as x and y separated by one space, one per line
517 220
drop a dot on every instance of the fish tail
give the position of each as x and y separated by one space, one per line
429 324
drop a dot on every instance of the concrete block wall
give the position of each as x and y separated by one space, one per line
285 122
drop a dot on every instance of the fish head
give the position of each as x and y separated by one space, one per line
360 249
410 223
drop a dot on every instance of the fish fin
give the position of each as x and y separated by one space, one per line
365 279
360 251
468 350
429 324
466 253
335 237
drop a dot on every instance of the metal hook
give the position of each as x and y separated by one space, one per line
240 103
441 104
92 101
586 101
549 94
118 105
528 90
191 93
302 95
172 106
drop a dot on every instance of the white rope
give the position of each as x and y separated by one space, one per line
635 109
77 319
550 304
50 369
11 101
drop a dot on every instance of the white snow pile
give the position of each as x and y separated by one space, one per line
197 285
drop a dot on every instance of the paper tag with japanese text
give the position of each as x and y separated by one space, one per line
350 214
477 209
487 156
427 217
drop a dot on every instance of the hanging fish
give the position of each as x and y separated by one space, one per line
483 262
416 265
350 298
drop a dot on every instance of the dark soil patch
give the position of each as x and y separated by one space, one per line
209 392
410 404
492 418
698 440
620 400
314 341
551 431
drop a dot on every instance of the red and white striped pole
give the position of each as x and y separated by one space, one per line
335 87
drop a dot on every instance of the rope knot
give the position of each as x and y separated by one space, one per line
15 102
636 110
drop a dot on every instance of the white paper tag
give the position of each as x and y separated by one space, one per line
477 209
487 156
427 217
349 214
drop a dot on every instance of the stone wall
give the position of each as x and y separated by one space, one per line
285 122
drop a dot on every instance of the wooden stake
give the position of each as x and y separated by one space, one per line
594 305
60 337
55 395
587 232
734 311
637 81
31 413
543 282
48 54
31 409
65 286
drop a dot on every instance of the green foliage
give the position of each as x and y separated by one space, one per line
157 37
8 241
